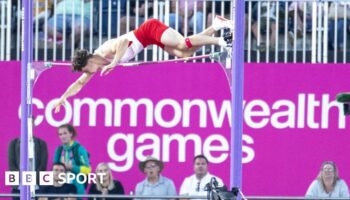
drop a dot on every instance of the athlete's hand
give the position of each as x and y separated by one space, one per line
60 102
107 69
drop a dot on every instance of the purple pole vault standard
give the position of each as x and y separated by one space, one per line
237 94
25 88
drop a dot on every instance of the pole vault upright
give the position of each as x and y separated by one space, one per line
237 94
27 46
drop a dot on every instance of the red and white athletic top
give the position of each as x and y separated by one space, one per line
149 33
134 48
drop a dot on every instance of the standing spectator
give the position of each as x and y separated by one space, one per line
57 187
107 185
72 154
195 185
339 19
328 184
67 10
40 157
154 184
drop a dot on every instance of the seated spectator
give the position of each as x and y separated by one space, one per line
57 188
132 18
264 18
191 16
298 9
154 184
195 185
40 11
72 154
107 185
339 19
109 8
65 13
328 184
40 155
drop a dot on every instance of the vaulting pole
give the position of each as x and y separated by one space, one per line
237 94
27 46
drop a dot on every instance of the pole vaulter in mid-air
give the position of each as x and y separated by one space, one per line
126 47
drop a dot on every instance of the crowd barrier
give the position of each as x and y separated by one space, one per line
299 31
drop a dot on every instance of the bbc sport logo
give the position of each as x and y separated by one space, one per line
12 178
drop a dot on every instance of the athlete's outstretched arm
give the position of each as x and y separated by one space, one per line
119 48
73 89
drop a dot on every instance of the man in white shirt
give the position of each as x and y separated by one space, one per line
194 185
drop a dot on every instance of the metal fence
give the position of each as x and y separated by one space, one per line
276 31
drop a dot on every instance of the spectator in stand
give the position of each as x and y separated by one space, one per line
107 185
338 17
40 157
154 184
193 18
66 11
246 16
40 11
132 18
37 15
328 183
57 187
109 7
72 154
195 185
298 9
268 13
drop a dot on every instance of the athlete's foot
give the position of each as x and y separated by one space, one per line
221 22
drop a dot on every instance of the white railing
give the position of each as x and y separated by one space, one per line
315 31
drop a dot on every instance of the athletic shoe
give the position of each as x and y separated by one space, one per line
228 36
221 22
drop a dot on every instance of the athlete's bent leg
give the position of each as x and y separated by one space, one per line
173 39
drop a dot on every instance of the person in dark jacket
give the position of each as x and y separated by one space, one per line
57 187
40 157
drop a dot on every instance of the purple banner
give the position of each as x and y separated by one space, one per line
175 111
